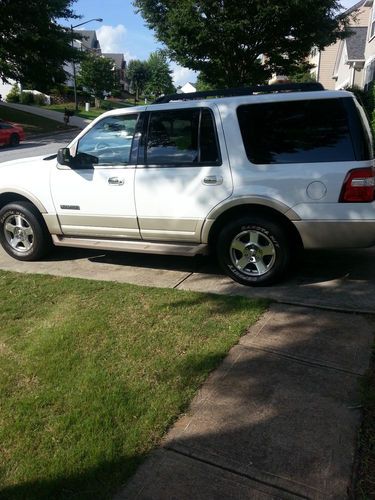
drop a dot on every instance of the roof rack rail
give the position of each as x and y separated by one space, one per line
233 92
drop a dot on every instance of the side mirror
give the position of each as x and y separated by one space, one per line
64 157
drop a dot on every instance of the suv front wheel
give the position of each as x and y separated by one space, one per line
254 251
22 232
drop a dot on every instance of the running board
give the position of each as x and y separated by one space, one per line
132 246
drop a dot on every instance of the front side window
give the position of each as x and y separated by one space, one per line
109 142
181 137
296 132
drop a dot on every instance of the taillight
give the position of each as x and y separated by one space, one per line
359 186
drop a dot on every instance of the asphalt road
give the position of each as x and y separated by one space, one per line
44 145
339 279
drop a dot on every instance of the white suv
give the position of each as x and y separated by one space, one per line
252 174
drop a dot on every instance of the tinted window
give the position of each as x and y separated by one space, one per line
183 136
109 141
296 132
209 152
360 130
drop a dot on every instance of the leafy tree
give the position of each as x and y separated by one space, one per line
159 79
226 39
14 94
97 75
137 74
33 45
302 73
202 85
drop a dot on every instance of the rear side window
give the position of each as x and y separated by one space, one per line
182 137
296 132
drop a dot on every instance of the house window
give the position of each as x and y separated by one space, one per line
372 28
369 73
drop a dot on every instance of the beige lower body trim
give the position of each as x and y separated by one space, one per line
98 220
337 234
184 249
97 226
101 232
52 223
170 229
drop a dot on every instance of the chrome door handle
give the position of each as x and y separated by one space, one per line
212 180
116 181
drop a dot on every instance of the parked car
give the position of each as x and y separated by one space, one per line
10 133
253 175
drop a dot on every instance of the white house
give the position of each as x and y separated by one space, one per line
187 88
5 88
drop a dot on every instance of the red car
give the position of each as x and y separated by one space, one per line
11 133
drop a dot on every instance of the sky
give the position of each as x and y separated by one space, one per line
124 31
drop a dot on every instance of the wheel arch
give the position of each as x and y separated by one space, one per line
267 212
14 195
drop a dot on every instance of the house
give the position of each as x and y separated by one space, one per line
324 61
187 88
351 61
120 68
88 42
5 88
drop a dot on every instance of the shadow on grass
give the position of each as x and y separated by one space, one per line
100 482
264 409
110 477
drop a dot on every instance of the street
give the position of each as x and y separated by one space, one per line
37 146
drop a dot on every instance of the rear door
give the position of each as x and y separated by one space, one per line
183 171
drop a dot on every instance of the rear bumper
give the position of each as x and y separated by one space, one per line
336 234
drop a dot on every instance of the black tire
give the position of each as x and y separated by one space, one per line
14 140
29 238
263 252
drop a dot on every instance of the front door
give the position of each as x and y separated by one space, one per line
182 173
95 197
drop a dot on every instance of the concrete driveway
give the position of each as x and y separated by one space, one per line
341 280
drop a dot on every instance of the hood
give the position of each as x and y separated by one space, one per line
33 160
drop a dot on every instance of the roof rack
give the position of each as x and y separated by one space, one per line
233 92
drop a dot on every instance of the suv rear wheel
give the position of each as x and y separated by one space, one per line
22 232
254 251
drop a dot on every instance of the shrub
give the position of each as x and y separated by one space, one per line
39 99
365 97
14 94
106 105
27 98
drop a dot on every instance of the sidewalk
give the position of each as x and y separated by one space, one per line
75 121
278 419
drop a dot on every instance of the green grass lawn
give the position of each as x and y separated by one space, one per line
93 373
32 124
94 112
